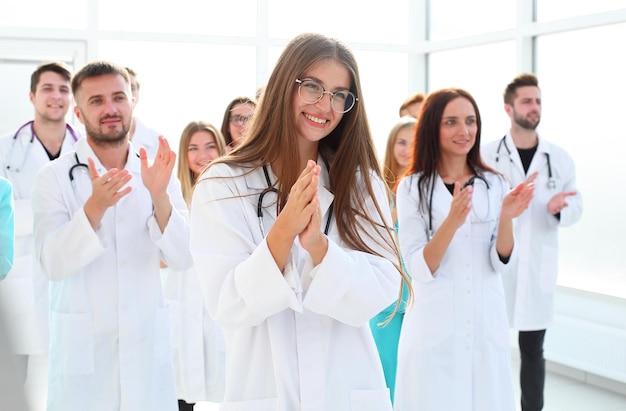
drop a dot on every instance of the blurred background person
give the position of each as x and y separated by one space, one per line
198 342
7 228
236 117
412 105
140 134
23 152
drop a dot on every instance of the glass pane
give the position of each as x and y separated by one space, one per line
192 83
58 14
374 24
385 82
217 18
583 88
485 80
560 9
454 18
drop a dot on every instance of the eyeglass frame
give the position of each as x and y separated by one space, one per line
324 91
238 119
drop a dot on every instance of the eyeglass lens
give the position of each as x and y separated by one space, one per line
311 92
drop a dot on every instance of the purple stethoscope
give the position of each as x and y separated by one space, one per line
32 138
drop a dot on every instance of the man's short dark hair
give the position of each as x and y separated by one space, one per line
523 80
54 66
96 69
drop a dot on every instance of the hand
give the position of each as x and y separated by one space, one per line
461 205
157 176
302 202
518 199
559 202
106 191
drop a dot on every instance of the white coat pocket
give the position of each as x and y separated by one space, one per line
370 400
72 341
432 317
267 404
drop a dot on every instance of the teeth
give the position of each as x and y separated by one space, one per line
315 119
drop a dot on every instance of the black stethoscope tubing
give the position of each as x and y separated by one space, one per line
551 182
270 188
469 182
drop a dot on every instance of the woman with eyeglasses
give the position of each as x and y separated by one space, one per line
294 244
236 117
455 218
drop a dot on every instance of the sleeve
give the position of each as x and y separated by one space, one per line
7 228
58 231
574 210
412 230
174 241
353 286
240 281
501 188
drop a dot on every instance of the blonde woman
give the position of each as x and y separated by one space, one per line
197 340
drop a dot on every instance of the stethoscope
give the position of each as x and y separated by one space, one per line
430 231
272 189
32 138
551 180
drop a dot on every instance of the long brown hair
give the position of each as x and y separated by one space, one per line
348 149
427 152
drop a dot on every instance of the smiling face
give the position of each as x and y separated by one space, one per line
238 119
104 106
402 147
52 97
316 121
457 131
202 149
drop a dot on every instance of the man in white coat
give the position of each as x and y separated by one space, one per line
557 203
24 294
104 219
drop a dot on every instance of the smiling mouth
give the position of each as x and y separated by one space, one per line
315 119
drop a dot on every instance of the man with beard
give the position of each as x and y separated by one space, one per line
104 218
24 294
529 290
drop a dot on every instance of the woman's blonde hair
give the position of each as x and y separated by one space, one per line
392 170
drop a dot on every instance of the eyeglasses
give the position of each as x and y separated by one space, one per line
311 92
239 119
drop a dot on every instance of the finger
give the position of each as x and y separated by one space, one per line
569 193
91 165
531 178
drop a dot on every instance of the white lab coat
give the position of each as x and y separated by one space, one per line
145 137
109 326
24 294
198 341
454 351
298 340
531 286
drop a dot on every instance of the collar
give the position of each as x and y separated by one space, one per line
84 151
